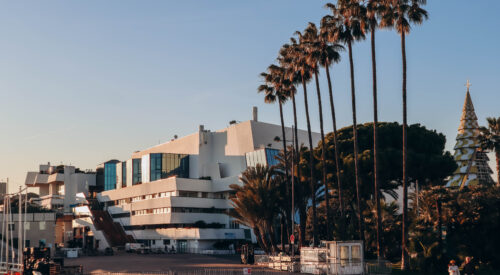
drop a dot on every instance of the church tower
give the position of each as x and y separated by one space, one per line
473 168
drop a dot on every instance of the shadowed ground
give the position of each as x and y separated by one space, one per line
127 262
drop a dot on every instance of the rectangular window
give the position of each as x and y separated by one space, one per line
136 172
356 253
271 156
155 166
27 225
124 174
42 225
12 227
109 176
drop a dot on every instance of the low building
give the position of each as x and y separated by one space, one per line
177 193
39 228
58 186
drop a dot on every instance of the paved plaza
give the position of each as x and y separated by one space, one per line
128 262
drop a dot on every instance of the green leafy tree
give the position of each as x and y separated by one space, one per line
426 155
470 219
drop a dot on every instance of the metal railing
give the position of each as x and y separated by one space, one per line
378 267
197 272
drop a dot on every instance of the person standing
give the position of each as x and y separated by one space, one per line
453 268
468 267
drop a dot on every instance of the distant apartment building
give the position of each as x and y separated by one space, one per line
177 193
58 186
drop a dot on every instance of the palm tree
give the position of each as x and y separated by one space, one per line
400 15
278 88
299 65
314 52
349 27
490 140
375 9
329 55
256 203
302 188
285 60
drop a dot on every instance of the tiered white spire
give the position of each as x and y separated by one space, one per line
472 163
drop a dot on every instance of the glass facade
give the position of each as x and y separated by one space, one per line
262 156
109 176
136 172
124 174
164 165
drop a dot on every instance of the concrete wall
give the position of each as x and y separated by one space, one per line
39 227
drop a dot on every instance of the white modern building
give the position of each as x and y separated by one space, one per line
177 193
58 185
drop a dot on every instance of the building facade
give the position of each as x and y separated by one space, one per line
58 186
177 193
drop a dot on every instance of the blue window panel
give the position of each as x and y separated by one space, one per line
124 174
271 156
109 176
136 171
164 165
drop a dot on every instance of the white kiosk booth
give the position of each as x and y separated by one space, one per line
345 257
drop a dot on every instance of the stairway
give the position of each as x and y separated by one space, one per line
113 231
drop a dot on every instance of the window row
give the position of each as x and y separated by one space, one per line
165 210
168 194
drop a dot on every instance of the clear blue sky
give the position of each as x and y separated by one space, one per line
82 82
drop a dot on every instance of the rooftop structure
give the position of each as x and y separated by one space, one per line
472 163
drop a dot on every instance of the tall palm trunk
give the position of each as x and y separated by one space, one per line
355 136
303 218
497 155
311 168
323 158
375 125
337 164
272 237
261 243
404 254
297 160
287 191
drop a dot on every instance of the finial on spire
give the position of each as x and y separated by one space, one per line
467 85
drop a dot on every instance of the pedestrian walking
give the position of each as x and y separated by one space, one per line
468 266
453 268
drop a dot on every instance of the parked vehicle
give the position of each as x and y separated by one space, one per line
133 247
